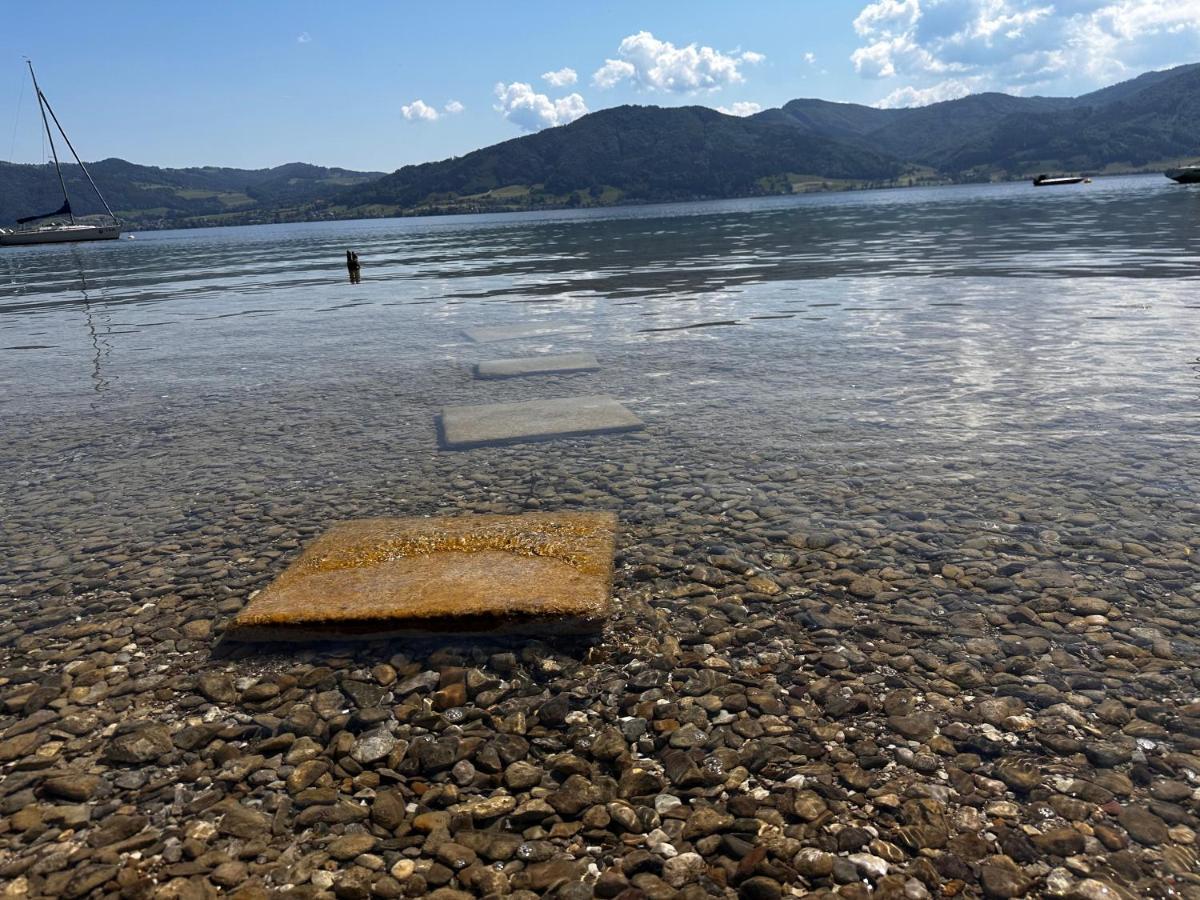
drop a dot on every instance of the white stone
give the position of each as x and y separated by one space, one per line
682 869
403 869
537 365
531 420
868 865
665 802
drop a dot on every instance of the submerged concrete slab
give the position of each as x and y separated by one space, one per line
537 365
473 574
486 334
533 420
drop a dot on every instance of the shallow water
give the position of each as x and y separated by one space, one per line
913 520
939 373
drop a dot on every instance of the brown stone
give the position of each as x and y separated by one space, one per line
466 574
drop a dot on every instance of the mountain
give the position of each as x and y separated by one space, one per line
1148 119
638 154
628 153
147 196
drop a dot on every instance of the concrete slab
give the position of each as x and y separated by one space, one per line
533 420
475 574
486 334
537 365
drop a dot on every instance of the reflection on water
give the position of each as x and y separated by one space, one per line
100 338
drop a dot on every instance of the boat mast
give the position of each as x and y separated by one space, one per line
50 137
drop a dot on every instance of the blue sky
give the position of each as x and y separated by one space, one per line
376 85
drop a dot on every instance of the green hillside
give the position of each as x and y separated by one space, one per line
147 196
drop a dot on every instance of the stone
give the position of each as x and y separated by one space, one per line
217 687
760 888
76 786
116 828
348 846
682 869
245 823
1143 826
537 365
486 334
868 865
463 427
917 726
1001 882
87 879
372 747
1059 841
143 744
467 574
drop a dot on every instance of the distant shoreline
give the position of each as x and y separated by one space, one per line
464 210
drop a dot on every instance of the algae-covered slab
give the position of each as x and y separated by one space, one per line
472 574
545 364
533 420
486 334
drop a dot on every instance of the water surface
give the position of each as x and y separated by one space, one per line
993 363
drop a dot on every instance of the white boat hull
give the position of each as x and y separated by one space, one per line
60 234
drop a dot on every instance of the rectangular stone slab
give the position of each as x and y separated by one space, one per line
486 334
475 574
537 365
533 420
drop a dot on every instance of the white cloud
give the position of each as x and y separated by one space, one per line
304 38
810 58
524 106
661 66
419 111
561 77
741 108
612 72
951 89
938 48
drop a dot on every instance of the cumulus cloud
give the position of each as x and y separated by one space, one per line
420 111
810 58
908 95
741 108
661 66
525 107
304 38
561 77
944 48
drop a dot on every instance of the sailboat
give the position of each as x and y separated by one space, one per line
58 231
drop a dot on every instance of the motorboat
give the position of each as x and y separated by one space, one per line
1047 181
1185 174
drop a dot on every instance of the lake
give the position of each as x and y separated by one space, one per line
950 432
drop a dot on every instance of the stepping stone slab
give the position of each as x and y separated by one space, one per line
537 365
533 420
488 333
479 574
